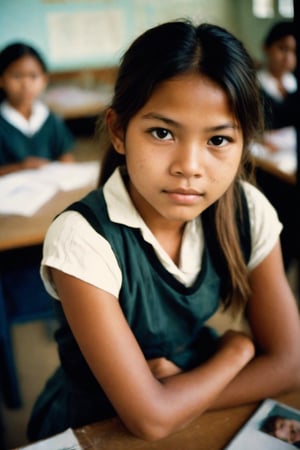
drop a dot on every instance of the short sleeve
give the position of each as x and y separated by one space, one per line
264 225
74 247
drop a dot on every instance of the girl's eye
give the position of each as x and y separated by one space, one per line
161 133
219 141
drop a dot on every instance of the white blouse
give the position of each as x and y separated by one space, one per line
74 247
29 127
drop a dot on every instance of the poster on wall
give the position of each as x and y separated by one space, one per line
85 34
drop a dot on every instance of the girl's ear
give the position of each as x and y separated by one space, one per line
116 133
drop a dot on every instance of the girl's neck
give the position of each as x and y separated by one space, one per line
277 74
24 109
171 243
170 238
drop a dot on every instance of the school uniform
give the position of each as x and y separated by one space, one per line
44 135
281 115
104 241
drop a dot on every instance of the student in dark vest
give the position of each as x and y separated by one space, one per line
173 232
30 135
281 108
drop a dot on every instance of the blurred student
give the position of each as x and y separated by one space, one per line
278 87
276 78
30 135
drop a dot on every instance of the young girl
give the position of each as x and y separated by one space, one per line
278 85
139 265
30 135
276 77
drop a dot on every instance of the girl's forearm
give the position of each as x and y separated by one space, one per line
183 397
265 376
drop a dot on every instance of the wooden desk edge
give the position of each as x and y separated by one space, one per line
31 230
200 435
273 170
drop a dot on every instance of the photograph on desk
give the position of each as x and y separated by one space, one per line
274 426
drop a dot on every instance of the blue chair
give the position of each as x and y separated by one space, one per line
22 299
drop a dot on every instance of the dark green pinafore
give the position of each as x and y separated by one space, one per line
165 316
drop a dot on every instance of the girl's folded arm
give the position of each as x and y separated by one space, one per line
149 408
274 320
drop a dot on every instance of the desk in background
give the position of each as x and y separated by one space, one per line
212 431
276 175
19 231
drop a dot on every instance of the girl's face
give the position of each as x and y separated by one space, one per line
23 81
281 56
183 149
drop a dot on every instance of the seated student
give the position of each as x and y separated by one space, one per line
30 135
278 87
138 266
277 80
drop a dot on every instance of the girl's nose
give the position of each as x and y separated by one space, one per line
188 162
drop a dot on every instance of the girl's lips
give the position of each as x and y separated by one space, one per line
186 196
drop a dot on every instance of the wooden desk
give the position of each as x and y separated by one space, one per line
20 231
271 168
212 431
80 93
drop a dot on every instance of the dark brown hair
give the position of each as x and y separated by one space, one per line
180 47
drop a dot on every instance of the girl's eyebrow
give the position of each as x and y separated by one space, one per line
162 118
168 121
224 126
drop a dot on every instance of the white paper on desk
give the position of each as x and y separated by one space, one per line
251 437
68 176
63 441
22 195
285 140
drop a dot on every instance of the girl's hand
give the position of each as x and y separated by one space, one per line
239 342
235 340
162 368
33 162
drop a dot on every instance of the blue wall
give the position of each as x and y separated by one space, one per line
75 34
31 21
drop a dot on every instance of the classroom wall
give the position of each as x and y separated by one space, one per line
76 34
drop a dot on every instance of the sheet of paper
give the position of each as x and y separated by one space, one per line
63 441
285 158
23 193
251 436
68 176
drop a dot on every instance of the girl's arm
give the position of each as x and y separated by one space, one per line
67 157
150 408
31 162
274 320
